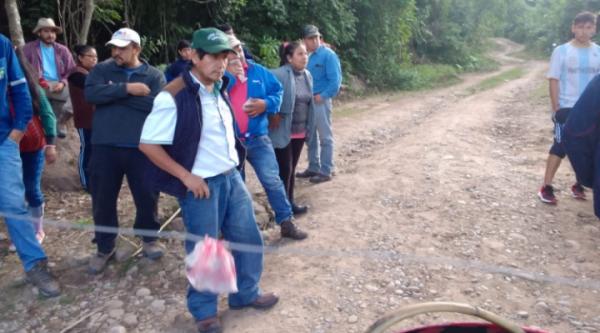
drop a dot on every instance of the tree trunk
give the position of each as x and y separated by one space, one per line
14 22
88 12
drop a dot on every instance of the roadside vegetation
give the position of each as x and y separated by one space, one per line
384 44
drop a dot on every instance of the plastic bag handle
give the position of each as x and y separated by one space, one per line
409 311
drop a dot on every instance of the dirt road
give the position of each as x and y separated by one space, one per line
447 175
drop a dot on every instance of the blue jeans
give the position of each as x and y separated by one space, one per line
12 203
320 140
228 209
261 155
33 166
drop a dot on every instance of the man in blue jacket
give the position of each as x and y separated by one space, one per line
12 191
123 89
256 93
324 66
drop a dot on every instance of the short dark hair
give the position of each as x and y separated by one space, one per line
224 27
585 17
201 53
81 50
183 44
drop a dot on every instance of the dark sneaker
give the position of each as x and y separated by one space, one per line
41 277
262 302
99 262
290 230
209 325
306 174
319 179
153 250
578 191
546 194
299 210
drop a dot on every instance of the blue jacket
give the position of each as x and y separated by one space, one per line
119 117
176 68
324 65
581 137
13 84
264 85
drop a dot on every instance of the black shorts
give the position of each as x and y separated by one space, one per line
559 118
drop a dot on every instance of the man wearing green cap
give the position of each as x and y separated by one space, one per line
190 137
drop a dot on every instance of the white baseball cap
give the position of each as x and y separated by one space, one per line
124 37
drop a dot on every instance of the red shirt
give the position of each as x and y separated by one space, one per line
238 96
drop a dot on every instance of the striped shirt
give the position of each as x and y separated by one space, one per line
573 67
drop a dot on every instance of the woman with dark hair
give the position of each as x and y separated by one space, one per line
288 128
86 59
37 145
184 54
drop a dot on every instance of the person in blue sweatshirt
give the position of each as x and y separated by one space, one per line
13 122
324 66
184 54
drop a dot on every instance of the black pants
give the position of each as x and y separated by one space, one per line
287 158
108 165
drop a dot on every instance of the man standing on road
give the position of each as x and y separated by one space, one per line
324 66
13 86
572 66
54 63
190 136
123 89
256 94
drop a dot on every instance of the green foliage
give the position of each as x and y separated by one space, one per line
268 51
389 44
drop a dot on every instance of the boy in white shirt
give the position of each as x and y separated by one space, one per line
572 67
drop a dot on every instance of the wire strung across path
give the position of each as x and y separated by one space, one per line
356 253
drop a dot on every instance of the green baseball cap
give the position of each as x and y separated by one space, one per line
211 40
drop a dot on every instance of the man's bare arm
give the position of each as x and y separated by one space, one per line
554 89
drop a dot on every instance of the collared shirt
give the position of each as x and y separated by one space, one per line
216 151
324 65
573 67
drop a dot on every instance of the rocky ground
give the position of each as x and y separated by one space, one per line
434 199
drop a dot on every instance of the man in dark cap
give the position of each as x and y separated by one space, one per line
324 65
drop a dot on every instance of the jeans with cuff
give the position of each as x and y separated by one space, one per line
320 140
228 209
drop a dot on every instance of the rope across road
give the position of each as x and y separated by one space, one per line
385 255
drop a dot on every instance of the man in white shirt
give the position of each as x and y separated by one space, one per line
190 137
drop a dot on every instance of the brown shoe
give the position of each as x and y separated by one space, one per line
290 230
209 325
262 302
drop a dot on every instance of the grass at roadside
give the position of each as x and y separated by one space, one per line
496 80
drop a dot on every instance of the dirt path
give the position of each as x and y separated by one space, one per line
435 174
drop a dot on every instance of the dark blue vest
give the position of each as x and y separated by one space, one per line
187 134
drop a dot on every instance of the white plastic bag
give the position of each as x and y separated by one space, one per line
210 267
